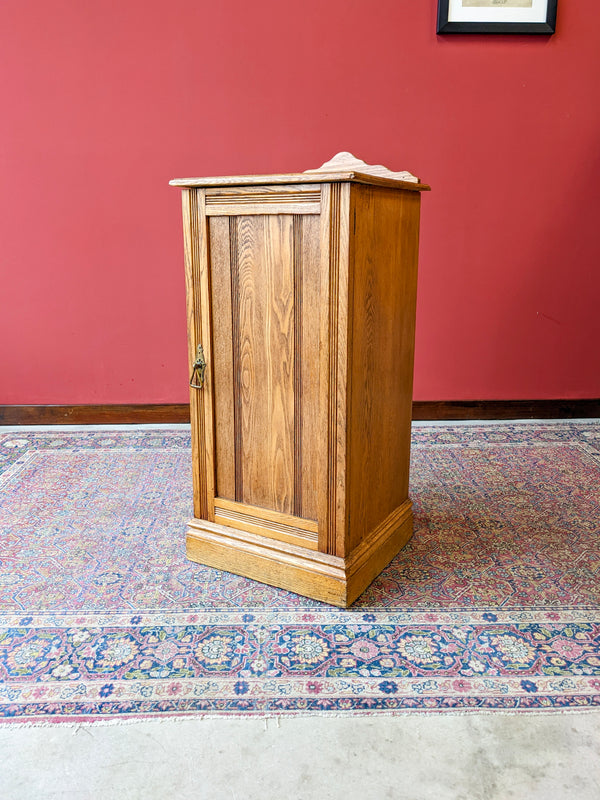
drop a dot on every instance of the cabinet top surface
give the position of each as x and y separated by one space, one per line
342 167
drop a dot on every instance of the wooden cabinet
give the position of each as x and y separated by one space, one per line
301 304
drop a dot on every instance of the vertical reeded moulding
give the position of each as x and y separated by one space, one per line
301 290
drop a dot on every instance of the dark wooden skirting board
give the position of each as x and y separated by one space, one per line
94 415
506 409
180 412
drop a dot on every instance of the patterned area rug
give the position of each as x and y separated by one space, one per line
494 604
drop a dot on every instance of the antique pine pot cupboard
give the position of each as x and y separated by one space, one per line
301 314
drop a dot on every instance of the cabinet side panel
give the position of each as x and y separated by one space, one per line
223 362
312 435
385 246
265 343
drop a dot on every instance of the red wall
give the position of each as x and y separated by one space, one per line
101 103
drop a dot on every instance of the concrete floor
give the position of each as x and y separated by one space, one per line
451 757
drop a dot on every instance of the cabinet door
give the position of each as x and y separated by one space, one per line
263 429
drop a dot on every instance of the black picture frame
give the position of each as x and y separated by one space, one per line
444 26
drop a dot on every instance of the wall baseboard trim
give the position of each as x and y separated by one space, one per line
169 413
505 409
95 415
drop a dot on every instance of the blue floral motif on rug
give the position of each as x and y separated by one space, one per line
494 604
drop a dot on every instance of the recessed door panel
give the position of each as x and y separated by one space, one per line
265 283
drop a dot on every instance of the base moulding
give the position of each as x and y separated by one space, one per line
330 579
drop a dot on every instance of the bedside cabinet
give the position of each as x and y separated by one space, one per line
301 296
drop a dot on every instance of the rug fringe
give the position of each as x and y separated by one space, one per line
277 719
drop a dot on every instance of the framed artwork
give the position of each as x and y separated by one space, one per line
496 16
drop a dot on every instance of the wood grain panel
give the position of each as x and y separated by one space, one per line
324 459
313 430
335 243
335 442
236 356
203 293
309 193
267 514
273 524
223 361
239 200
266 343
247 209
266 275
385 226
343 351
197 299
298 366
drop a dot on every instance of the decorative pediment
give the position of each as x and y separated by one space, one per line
342 162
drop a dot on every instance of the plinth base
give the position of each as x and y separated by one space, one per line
331 579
